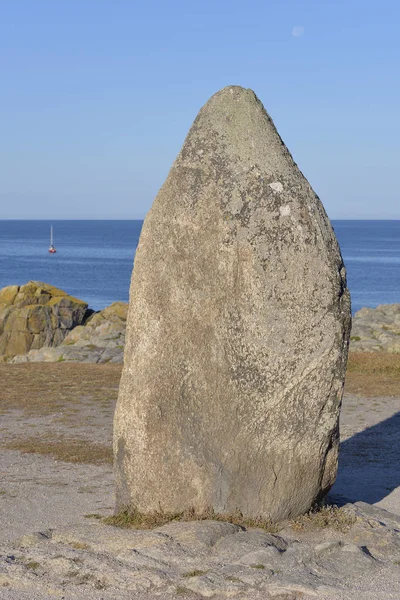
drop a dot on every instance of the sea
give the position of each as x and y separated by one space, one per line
94 258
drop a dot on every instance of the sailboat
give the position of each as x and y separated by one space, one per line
52 248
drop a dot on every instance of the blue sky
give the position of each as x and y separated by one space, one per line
97 97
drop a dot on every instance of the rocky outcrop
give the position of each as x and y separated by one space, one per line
209 559
237 332
36 315
100 340
376 329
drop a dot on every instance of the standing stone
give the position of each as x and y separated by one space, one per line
237 331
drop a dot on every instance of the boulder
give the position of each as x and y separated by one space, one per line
36 315
376 329
100 340
237 331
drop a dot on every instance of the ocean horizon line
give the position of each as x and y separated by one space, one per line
143 218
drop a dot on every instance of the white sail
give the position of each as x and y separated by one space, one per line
52 248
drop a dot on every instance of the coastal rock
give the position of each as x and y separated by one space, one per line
100 340
376 329
237 330
210 559
35 315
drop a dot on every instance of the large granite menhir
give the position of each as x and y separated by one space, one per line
237 331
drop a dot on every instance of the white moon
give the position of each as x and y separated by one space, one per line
298 30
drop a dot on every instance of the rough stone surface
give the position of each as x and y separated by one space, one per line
237 330
376 329
100 340
207 559
35 315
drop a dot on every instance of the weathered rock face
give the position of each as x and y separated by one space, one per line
100 340
377 329
237 330
35 315
207 559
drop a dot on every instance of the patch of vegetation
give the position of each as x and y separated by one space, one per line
81 578
320 517
355 338
50 389
93 516
260 566
194 573
32 564
61 358
131 518
372 374
323 517
181 590
79 545
134 519
63 448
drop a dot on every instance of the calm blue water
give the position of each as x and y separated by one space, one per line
94 258
93 261
371 252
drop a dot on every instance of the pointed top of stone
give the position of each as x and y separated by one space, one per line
232 98
245 130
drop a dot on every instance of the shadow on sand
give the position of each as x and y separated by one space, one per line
369 464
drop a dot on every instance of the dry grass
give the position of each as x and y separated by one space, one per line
181 590
66 449
131 518
324 517
79 545
33 565
321 517
373 374
50 388
59 391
